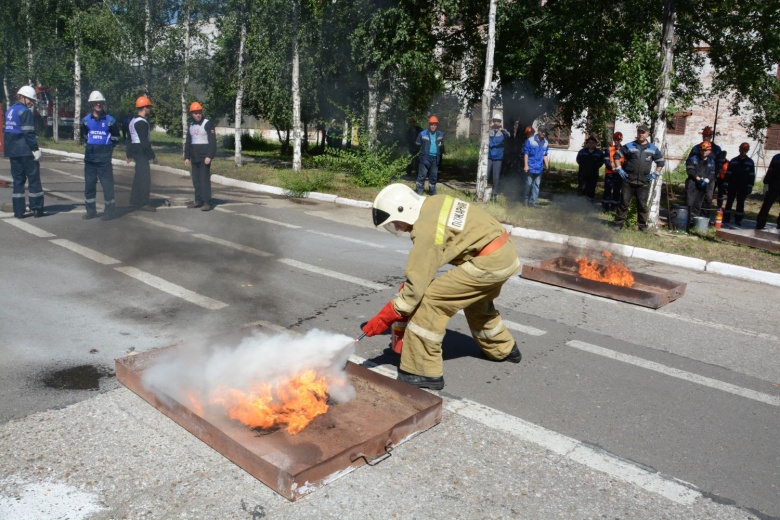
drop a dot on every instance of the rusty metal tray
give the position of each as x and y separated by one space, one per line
647 291
751 237
384 414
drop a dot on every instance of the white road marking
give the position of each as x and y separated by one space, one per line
525 329
675 372
335 274
223 210
339 237
170 288
665 314
66 173
63 195
402 251
24 226
86 252
162 225
233 245
269 221
668 487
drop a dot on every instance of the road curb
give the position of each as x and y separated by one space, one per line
687 262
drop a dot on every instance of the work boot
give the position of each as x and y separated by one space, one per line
38 213
89 215
108 213
434 383
514 355
194 204
207 207
18 215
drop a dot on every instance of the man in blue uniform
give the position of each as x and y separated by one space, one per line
200 147
535 161
431 146
498 139
21 147
637 174
101 133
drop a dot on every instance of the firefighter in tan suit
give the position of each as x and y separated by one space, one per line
445 230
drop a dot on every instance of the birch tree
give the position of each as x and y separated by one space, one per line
239 93
296 93
487 97
186 73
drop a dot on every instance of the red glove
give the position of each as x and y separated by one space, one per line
382 321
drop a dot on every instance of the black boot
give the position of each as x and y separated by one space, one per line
108 213
514 355
434 383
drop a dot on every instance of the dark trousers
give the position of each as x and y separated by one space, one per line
586 184
772 196
94 172
628 192
26 170
429 167
201 181
142 182
739 193
612 184
494 173
696 198
720 191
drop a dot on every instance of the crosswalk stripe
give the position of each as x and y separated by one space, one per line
334 274
24 226
347 239
232 245
171 288
162 225
269 221
86 252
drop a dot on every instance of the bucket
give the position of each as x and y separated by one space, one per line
679 217
397 336
701 223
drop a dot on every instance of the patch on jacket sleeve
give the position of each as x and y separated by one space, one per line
458 215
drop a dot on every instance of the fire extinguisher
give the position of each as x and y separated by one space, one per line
397 336
719 218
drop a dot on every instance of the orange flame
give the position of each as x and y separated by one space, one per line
611 271
294 402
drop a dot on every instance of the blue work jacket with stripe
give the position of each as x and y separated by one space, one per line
20 138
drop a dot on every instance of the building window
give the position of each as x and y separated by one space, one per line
773 138
558 136
676 126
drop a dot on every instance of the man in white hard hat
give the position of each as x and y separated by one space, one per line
21 147
498 139
445 230
101 133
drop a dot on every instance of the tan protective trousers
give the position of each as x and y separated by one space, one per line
472 287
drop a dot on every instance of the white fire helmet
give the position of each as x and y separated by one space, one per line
96 96
396 203
27 92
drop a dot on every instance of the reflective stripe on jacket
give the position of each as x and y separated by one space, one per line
100 134
639 160
19 136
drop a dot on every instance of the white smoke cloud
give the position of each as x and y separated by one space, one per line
199 369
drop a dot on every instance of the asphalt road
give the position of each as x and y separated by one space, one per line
690 391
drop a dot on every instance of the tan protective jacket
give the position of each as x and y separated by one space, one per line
452 231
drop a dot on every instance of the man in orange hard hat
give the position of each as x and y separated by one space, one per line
139 149
200 147
431 144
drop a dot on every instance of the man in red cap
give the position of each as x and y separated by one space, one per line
740 177
700 183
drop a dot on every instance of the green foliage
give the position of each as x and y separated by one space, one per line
306 181
249 142
368 167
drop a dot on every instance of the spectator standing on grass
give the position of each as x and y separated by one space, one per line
535 161
431 144
140 151
612 181
498 139
772 182
200 147
590 160
739 180
637 173
702 172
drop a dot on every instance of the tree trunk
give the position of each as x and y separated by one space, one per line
668 40
55 125
147 47
76 88
487 95
373 108
296 93
186 81
29 44
239 93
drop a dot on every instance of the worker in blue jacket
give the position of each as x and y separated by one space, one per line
535 160
101 133
700 184
498 139
431 145
21 147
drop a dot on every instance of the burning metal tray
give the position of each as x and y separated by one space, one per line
384 414
647 291
751 237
